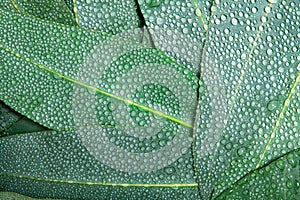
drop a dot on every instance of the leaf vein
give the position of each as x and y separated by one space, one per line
166 185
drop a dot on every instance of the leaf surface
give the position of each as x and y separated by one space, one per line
111 16
277 180
12 122
7 117
178 28
64 84
250 114
57 165
52 10
15 196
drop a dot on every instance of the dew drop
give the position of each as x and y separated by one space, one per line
160 21
272 105
57 76
278 15
234 21
269 52
272 1
185 30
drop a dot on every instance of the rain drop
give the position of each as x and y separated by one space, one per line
234 21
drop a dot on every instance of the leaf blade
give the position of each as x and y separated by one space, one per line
240 49
62 177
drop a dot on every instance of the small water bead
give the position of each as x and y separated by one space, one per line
160 21
234 21
273 105
185 30
254 10
263 19
198 12
272 1
279 16
223 17
267 9
269 52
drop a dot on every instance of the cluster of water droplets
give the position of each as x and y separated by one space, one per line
49 10
279 180
255 49
176 30
35 74
107 16
148 97
62 156
7 117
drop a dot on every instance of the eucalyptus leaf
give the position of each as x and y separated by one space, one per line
70 4
251 69
176 29
278 180
7 4
15 196
64 85
111 16
57 164
7 117
53 10
218 119
24 125
12 122
122 18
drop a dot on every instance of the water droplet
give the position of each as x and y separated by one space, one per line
241 151
169 170
185 30
223 17
278 15
272 105
272 1
57 76
198 12
160 21
269 52
234 21
243 56
263 19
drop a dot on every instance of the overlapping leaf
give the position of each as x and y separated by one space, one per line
53 10
278 180
178 28
84 90
12 122
108 16
58 165
251 67
247 126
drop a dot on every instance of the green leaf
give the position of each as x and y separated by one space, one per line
24 125
53 10
249 115
7 117
123 113
65 84
7 4
111 16
154 117
15 196
277 180
177 28
70 4
12 122
59 165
